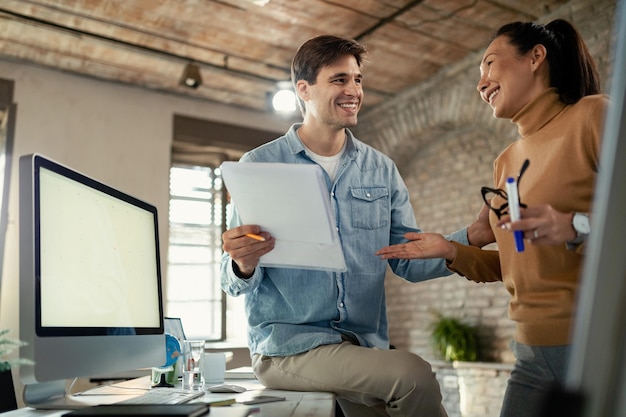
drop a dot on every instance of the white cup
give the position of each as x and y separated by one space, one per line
213 366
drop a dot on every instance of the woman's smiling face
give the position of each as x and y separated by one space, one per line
507 80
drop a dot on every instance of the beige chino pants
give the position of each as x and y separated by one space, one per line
368 382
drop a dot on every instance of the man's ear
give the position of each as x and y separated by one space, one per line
302 90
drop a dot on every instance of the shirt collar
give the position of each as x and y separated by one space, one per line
296 146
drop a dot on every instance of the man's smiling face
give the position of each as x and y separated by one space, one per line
335 98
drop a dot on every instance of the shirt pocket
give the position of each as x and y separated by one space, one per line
370 207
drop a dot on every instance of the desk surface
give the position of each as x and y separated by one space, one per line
296 404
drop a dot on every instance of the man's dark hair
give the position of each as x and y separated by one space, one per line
319 52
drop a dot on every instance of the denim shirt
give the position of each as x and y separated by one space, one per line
291 311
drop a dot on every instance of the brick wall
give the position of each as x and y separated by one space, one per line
444 140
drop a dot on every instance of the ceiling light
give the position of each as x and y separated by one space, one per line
284 99
191 76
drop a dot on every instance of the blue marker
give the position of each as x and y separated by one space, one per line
511 190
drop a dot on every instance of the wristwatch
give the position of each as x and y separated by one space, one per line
580 223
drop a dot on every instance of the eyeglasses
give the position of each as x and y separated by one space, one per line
489 193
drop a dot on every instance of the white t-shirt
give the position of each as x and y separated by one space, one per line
329 163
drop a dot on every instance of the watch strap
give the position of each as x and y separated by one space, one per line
581 235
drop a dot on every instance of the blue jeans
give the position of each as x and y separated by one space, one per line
536 370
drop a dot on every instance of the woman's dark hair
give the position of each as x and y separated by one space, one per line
573 71
319 52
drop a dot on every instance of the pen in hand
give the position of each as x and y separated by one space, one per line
512 192
256 237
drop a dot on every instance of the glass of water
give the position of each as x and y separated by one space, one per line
192 371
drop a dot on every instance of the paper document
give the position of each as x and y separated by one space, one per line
243 372
290 202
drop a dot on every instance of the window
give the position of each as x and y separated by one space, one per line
8 111
197 219
198 207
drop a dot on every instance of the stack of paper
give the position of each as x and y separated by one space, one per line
290 202
243 372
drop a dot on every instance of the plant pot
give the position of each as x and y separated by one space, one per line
454 340
7 392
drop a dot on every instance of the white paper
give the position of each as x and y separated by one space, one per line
290 202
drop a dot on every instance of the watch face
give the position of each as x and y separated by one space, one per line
581 224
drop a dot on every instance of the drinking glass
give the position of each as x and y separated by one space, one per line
192 371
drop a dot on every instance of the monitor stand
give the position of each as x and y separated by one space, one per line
51 395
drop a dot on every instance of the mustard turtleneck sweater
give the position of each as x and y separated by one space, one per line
562 143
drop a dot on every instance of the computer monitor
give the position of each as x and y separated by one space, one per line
90 281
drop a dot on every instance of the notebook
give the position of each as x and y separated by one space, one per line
170 410
177 410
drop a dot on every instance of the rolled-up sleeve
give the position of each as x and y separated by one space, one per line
476 264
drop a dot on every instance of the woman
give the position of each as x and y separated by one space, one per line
543 79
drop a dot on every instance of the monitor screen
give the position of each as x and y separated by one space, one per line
90 281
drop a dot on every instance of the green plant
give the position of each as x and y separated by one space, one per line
453 340
7 346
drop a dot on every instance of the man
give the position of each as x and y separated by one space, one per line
314 330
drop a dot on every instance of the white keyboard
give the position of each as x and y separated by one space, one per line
164 396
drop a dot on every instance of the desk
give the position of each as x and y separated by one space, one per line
296 404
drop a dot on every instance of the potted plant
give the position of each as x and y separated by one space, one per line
453 340
7 345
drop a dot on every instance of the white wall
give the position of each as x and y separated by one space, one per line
117 134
